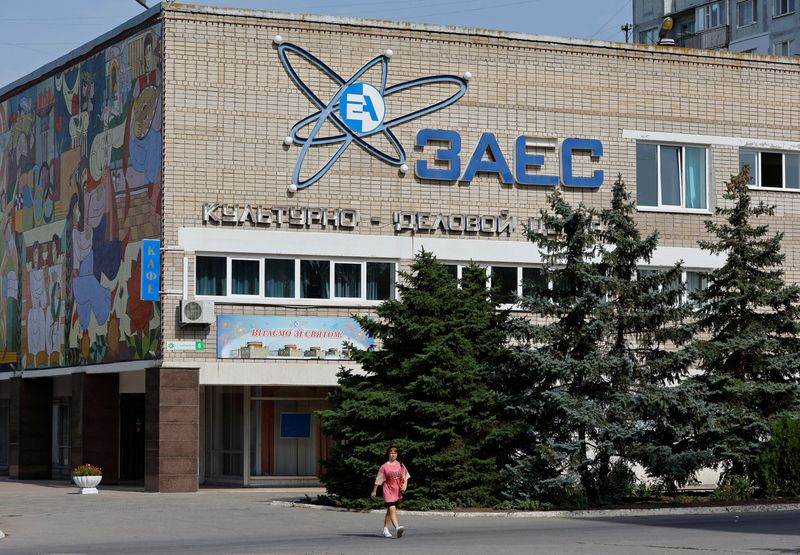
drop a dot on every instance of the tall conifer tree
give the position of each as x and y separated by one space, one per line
652 414
750 353
551 384
590 382
424 389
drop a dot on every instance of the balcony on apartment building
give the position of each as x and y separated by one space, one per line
716 38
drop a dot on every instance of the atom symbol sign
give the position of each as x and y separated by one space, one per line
357 109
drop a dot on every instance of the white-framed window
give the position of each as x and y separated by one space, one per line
686 28
672 177
287 279
714 14
221 276
347 280
507 280
692 280
453 269
245 276
695 281
511 281
746 12
315 279
279 278
514 281
772 170
211 276
782 7
381 280
533 280
648 36
783 48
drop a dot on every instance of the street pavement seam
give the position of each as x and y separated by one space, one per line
591 513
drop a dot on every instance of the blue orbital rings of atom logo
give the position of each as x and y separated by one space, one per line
357 109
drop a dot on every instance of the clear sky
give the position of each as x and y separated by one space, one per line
35 32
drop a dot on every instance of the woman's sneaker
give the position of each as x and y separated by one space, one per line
386 533
400 531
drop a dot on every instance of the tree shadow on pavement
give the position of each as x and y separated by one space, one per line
778 523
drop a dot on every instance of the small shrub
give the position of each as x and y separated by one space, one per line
609 483
778 466
523 505
572 498
357 504
563 492
621 482
686 499
428 505
735 488
643 488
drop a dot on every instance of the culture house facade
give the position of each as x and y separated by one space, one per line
195 203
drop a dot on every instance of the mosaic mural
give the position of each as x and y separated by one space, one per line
80 188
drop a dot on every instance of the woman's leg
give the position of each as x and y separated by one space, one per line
392 514
387 518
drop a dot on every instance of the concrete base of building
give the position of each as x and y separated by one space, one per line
172 418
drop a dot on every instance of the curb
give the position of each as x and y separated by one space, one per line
314 507
596 513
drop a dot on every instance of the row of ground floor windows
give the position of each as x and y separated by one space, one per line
247 434
131 438
250 432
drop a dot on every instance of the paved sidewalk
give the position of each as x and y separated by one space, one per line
59 497
44 517
60 502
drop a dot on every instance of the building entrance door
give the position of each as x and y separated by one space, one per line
5 433
295 448
131 436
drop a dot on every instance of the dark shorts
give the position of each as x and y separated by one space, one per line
388 504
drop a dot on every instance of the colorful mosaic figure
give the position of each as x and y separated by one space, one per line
80 159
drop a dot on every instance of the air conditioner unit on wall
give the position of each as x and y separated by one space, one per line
194 311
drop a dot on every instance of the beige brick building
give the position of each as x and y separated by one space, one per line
293 185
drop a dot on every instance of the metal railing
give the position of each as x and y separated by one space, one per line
718 37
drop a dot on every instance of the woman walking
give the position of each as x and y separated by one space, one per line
393 476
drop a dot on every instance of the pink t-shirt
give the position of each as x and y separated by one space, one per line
392 477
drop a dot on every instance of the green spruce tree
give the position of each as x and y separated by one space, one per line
424 389
749 347
591 383
551 385
651 413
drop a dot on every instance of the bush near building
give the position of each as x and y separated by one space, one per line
778 467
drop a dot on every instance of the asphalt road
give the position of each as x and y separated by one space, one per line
52 519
